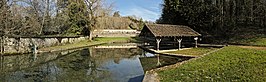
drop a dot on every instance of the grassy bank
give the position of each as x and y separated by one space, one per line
229 64
193 52
95 41
259 41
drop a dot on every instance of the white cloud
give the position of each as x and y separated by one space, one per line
145 14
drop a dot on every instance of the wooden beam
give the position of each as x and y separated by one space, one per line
196 42
179 43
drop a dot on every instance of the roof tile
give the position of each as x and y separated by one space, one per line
171 30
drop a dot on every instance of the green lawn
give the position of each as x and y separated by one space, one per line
194 51
229 64
260 41
85 43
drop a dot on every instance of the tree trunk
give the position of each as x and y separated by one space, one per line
90 35
1 46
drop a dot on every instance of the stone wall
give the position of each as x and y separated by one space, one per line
25 45
115 33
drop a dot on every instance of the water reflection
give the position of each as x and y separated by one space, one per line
158 60
91 64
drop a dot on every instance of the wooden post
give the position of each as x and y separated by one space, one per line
158 43
158 60
196 42
179 43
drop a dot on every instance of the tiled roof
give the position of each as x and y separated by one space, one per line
163 30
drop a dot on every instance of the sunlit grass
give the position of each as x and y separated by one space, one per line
229 64
259 41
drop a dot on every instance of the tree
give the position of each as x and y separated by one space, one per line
116 14
77 17
10 21
44 17
218 18
96 10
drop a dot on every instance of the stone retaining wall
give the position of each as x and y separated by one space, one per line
115 33
25 45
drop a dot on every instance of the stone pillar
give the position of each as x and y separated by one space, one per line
179 43
158 40
196 42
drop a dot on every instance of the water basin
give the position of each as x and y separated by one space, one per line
85 65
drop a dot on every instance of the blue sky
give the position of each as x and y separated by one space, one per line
146 9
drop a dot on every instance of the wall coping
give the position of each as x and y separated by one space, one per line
48 36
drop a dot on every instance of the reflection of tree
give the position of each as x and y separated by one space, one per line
1 63
105 54
19 62
79 66
1 68
76 66
82 65
27 66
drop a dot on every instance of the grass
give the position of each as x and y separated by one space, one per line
85 43
229 64
259 41
194 51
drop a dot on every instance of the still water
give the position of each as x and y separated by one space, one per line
84 65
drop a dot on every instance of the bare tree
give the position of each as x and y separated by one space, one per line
96 10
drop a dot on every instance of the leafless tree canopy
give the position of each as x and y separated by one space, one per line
50 17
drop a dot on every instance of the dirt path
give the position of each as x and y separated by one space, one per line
253 47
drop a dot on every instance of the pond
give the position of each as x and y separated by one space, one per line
84 65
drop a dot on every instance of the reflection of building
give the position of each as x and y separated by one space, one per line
105 54
168 34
